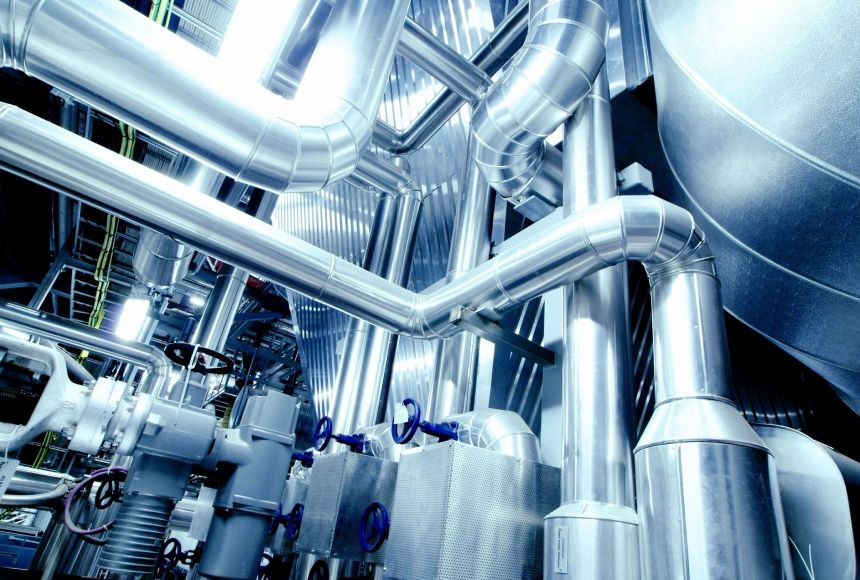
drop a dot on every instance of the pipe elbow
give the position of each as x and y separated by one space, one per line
547 80
16 16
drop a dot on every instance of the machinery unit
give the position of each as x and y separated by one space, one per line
461 511
569 288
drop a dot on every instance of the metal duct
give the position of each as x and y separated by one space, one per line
759 122
457 356
160 261
706 483
505 40
597 520
544 84
67 332
364 371
501 431
118 61
638 228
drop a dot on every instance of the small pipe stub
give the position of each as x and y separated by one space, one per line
323 436
306 458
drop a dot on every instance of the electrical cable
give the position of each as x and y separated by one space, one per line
112 472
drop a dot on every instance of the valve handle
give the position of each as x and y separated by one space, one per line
181 353
168 558
110 491
319 571
373 527
322 433
413 421
294 522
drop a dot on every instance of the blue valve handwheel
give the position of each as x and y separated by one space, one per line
322 433
294 522
411 425
373 527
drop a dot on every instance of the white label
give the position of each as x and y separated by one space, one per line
561 550
7 470
401 414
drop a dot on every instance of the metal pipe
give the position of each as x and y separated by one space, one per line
35 499
457 356
29 480
419 46
638 228
504 432
82 336
214 327
547 79
505 40
155 81
598 502
364 371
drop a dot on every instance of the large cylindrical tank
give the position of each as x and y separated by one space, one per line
759 119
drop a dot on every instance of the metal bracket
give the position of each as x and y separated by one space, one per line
494 332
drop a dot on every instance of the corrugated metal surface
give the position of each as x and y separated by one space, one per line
338 219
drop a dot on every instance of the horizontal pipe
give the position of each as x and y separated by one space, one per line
639 228
505 40
500 431
419 46
117 60
30 480
68 332
547 79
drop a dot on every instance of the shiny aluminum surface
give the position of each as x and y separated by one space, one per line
594 534
462 512
759 121
155 81
815 502
545 82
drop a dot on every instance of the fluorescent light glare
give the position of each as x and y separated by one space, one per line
132 318
196 300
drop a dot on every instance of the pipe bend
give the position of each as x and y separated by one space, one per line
498 430
548 78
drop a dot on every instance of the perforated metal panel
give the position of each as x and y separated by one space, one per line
341 486
461 512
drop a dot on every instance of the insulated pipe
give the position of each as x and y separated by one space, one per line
457 356
505 40
226 296
221 307
419 46
115 59
82 336
638 228
504 432
546 81
598 502
364 370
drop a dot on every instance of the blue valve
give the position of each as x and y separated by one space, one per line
304 457
373 527
323 435
442 431
293 522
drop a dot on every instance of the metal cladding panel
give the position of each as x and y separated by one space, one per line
761 137
462 512
339 218
341 486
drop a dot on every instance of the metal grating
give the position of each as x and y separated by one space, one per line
340 489
462 512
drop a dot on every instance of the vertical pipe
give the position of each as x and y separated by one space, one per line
457 357
364 371
706 483
596 525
